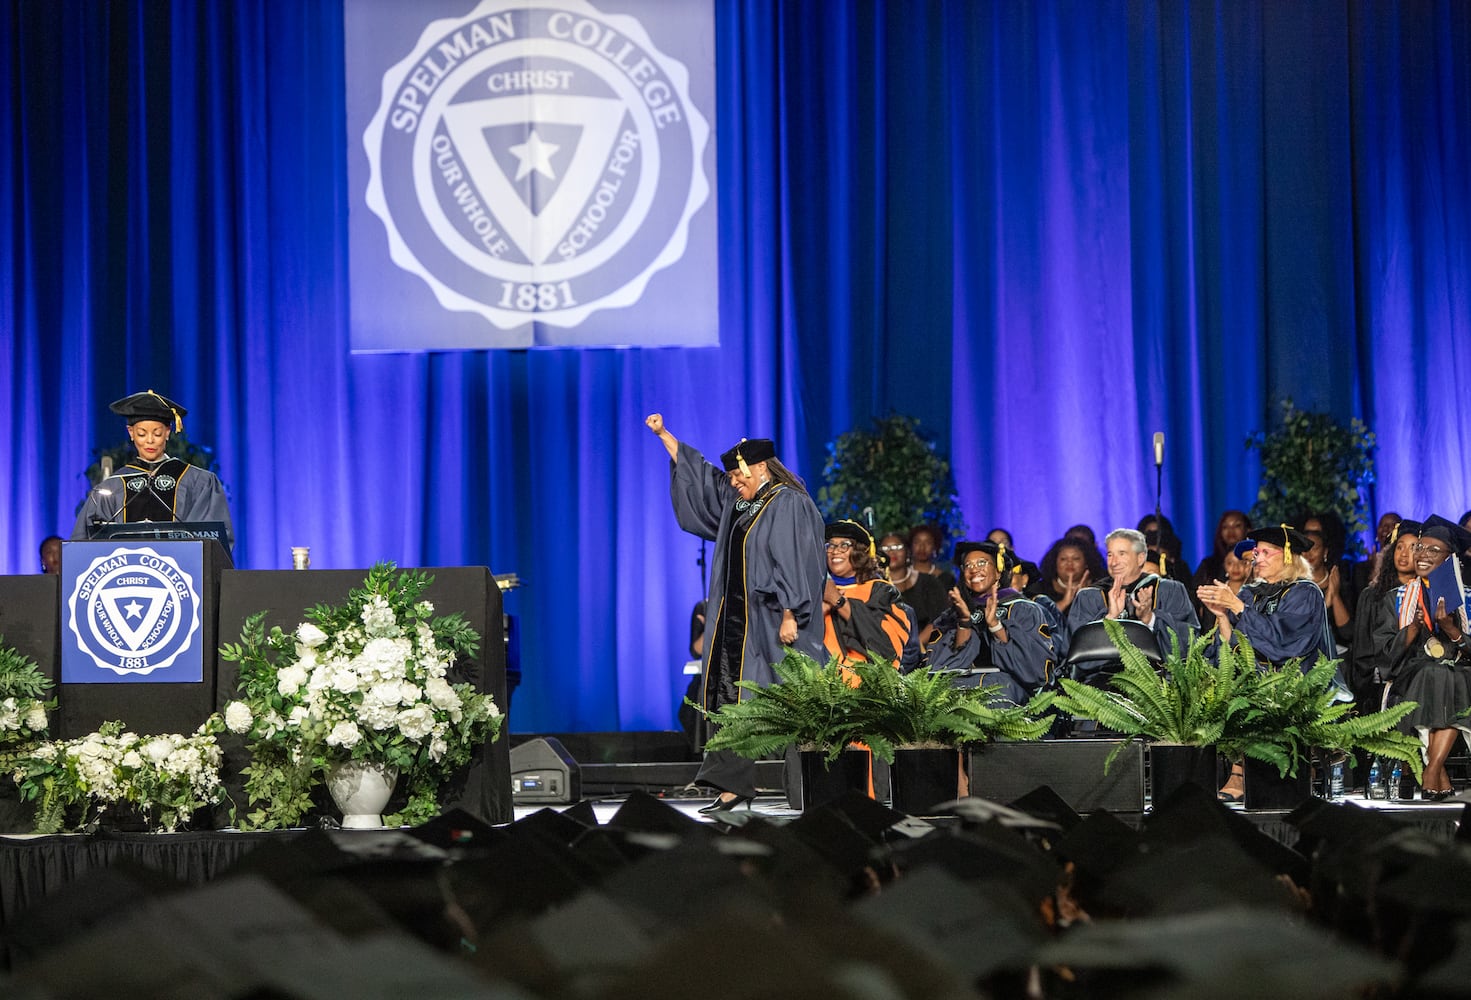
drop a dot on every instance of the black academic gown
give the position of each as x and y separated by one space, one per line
169 490
1431 671
768 557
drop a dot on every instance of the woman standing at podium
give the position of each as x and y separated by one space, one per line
154 486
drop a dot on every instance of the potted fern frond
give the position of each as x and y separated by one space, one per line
1184 709
814 707
920 721
1293 712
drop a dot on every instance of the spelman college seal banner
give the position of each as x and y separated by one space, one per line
131 612
532 173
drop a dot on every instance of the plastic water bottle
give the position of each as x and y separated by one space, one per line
1335 783
1395 777
1372 789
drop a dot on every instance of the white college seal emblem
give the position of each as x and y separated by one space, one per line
133 611
536 162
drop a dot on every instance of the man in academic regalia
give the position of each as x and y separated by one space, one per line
766 580
1130 594
154 486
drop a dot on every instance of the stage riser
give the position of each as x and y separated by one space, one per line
1073 769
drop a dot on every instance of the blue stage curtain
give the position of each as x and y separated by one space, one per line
1047 230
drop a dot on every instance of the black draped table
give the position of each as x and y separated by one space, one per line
32 868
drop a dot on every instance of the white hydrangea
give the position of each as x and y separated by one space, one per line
309 635
378 617
237 717
417 722
377 715
344 734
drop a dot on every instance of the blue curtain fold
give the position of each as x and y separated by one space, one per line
1047 230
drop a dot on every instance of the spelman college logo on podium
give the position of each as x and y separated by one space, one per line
133 611
536 162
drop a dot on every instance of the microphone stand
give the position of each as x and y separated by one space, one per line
700 562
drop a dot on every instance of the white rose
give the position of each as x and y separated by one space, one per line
344 734
417 722
408 693
309 635
131 759
441 693
237 717
345 680
289 679
437 748
36 718
298 715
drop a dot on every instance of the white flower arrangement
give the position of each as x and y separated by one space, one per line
23 701
364 680
165 778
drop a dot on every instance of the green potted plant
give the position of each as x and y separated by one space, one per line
814 707
1311 463
1184 709
919 723
1293 712
894 470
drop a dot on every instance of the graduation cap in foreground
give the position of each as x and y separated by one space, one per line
150 406
1219 955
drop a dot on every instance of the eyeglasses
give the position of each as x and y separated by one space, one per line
1433 550
976 565
840 546
892 548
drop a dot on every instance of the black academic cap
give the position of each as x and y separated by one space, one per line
1404 528
1284 536
946 918
150 406
1004 558
454 829
642 813
748 452
1457 537
1228 953
1045 803
851 530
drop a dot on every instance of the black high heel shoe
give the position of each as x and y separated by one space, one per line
726 805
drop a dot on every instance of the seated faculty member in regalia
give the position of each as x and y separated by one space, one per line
1130 594
154 486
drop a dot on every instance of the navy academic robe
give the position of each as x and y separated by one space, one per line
778 550
170 490
1174 614
1284 621
1026 660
